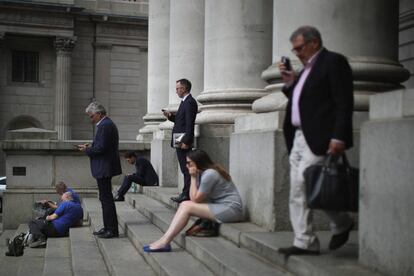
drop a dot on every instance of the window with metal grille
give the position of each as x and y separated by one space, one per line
25 66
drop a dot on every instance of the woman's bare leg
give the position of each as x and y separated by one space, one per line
180 220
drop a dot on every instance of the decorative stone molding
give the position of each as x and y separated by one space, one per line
224 105
102 46
64 44
371 75
35 19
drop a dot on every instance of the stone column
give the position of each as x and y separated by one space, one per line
158 83
158 66
186 60
64 47
366 32
102 73
186 47
406 38
237 49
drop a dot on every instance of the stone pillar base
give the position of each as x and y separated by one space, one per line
259 166
386 199
163 158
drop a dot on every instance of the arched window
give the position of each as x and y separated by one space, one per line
23 121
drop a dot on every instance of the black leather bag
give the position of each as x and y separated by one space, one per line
331 185
15 245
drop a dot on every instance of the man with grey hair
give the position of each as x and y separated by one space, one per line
105 164
318 122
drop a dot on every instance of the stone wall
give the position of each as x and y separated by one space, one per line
386 185
108 63
82 80
45 163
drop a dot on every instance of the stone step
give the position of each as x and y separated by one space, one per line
119 254
141 232
218 254
342 262
31 263
86 257
57 257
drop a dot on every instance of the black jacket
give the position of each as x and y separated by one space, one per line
145 170
326 104
103 153
184 120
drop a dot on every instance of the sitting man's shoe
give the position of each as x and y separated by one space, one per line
108 235
39 243
340 239
119 198
293 250
180 198
166 248
99 232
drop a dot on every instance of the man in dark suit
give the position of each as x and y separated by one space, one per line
144 175
105 164
318 121
183 132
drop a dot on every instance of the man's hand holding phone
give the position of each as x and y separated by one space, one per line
286 70
166 113
82 147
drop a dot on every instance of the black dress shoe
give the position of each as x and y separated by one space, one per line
100 232
340 239
119 198
108 235
180 198
293 250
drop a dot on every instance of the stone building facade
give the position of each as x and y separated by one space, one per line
57 56
229 50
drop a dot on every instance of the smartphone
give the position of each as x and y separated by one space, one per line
286 62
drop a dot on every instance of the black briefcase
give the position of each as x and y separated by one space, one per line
331 185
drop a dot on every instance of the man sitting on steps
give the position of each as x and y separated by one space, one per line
57 224
144 175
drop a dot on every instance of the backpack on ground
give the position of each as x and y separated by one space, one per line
16 245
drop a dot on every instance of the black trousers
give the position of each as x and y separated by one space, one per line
110 219
182 160
42 228
126 184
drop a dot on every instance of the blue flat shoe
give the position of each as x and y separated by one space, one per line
166 248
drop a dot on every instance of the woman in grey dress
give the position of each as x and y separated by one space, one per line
213 196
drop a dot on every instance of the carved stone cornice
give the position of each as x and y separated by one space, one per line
64 44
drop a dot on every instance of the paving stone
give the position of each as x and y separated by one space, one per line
343 262
57 257
221 256
86 257
31 263
141 232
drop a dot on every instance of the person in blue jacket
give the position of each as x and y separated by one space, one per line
57 224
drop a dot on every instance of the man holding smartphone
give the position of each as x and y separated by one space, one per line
318 121
183 132
105 164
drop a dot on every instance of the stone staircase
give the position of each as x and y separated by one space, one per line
241 248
